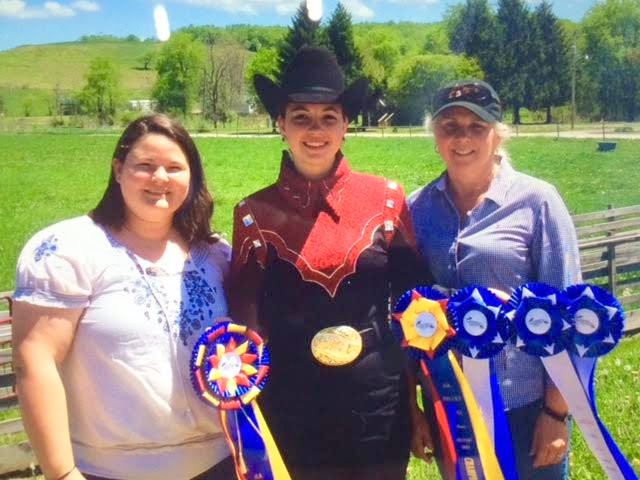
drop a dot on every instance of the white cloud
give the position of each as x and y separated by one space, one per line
250 7
86 6
50 9
358 9
55 9
415 2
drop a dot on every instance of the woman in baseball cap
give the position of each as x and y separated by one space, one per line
481 222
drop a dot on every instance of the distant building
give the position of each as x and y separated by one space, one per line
144 106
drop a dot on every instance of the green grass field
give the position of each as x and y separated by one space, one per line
45 178
50 177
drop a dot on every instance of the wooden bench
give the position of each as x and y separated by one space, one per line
609 244
19 456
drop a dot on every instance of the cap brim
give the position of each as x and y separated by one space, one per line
472 107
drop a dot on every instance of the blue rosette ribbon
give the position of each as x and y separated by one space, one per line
229 368
421 325
540 319
569 330
482 331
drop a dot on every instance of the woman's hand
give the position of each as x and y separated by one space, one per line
421 439
550 441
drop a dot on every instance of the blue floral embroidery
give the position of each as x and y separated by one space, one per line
48 246
143 297
198 307
189 314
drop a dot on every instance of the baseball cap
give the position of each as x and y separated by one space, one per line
475 95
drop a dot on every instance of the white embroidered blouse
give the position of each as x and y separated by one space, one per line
133 412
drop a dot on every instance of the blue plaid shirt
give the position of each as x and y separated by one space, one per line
521 232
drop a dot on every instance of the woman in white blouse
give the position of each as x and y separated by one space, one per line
107 309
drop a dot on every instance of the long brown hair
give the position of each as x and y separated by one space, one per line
192 219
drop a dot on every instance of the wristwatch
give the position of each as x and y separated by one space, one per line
555 415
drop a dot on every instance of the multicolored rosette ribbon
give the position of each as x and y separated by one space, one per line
569 330
482 331
229 368
420 323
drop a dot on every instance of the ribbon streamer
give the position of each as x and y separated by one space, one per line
229 368
421 325
483 331
569 330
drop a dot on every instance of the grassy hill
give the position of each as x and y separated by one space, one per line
30 74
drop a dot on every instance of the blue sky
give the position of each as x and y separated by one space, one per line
32 22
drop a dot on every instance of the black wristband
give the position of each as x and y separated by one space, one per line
65 475
555 415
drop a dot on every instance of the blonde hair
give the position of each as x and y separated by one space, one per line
502 130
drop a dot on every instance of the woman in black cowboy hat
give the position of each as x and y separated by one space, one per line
314 255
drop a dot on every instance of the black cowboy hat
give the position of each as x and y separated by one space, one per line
313 76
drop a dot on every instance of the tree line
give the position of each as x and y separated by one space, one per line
533 59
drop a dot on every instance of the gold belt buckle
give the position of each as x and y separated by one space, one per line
336 346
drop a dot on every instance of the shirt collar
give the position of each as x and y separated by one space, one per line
311 196
499 185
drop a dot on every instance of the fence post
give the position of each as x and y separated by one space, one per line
611 259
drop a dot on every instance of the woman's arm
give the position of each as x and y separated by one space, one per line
41 339
556 257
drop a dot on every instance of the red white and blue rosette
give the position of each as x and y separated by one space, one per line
229 368
577 326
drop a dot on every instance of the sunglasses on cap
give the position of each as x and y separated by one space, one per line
476 96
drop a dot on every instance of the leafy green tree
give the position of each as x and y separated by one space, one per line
436 39
264 62
222 81
514 54
549 78
380 51
303 31
612 38
417 78
473 30
340 40
101 93
147 59
179 67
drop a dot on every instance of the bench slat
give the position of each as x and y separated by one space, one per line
613 212
608 228
11 426
615 240
632 323
16 457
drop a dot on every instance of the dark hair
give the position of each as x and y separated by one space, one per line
192 219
